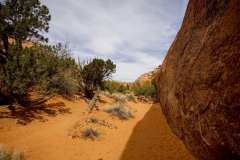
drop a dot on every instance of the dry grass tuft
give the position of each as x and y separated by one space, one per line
91 133
120 110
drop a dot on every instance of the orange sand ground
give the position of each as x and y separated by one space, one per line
145 137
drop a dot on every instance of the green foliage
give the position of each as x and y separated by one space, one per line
22 19
49 69
59 71
114 86
94 73
147 89
62 83
17 78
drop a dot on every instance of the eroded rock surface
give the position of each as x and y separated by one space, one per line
199 80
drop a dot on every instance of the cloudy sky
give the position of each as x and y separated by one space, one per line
135 34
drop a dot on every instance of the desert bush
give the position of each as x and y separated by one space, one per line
59 70
62 83
17 77
115 86
91 133
131 97
6 154
147 89
122 111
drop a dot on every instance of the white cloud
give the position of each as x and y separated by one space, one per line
134 33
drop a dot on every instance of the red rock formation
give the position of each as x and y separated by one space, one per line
199 80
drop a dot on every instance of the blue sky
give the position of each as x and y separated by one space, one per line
135 34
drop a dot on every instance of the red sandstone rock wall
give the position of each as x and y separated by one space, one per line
199 80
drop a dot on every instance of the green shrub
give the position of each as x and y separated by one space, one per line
17 76
146 89
62 84
49 69
114 86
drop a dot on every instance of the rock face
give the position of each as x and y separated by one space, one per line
199 80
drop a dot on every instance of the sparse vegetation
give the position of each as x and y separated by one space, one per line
96 121
90 128
7 154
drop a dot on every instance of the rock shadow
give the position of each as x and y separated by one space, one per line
152 139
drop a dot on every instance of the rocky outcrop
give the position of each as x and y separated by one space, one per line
199 80
147 77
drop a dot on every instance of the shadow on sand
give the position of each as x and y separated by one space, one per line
25 115
152 139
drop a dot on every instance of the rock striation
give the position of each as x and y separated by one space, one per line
199 80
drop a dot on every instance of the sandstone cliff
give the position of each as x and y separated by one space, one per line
199 80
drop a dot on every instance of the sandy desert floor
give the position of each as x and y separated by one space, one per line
46 136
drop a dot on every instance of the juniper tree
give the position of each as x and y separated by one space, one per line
19 20
94 73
